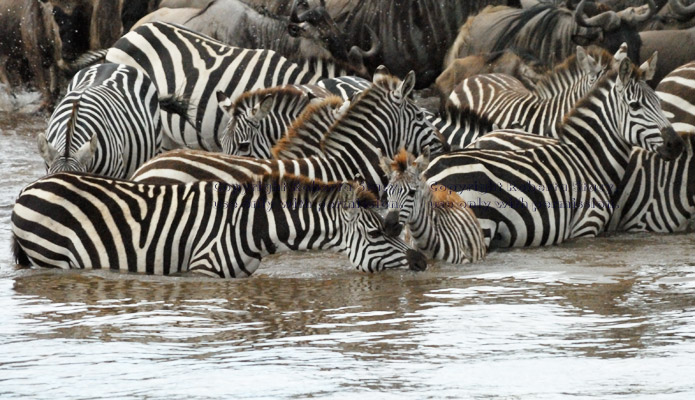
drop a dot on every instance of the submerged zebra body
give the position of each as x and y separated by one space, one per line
550 193
70 220
656 195
506 102
107 124
180 61
440 223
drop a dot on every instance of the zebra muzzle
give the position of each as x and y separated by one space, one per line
416 260
392 227
673 144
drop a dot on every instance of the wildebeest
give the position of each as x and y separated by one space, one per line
526 69
549 32
415 34
676 47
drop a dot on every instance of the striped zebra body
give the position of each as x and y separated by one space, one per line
656 195
379 121
70 220
107 124
180 61
547 194
511 139
677 94
506 102
461 127
440 224
344 86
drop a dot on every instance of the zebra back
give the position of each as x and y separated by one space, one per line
181 61
78 221
460 126
108 123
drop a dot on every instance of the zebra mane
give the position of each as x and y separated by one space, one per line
383 84
280 93
546 86
300 131
70 131
318 189
402 161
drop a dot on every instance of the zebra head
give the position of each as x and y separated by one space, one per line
639 113
244 123
368 245
77 161
415 130
405 187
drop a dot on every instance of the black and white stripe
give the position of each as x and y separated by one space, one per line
440 224
70 220
108 123
547 194
677 94
180 61
506 102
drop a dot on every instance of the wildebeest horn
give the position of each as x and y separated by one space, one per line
608 20
358 55
682 11
633 15
293 12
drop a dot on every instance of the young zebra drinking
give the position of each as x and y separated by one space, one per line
440 223
70 220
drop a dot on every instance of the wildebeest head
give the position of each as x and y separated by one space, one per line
73 19
610 29
316 24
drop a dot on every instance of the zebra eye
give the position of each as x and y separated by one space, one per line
635 105
374 233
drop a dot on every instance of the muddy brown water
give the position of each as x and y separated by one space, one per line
605 318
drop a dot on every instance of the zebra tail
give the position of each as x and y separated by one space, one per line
85 60
177 104
20 256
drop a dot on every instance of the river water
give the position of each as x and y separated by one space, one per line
605 318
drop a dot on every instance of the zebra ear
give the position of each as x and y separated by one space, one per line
586 62
263 108
620 54
224 102
47 151
380 73
405 89
385 164
423 160
86 152
648 68
624 73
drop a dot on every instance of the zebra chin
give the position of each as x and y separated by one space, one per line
392 227
673 144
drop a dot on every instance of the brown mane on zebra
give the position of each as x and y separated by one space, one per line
440 193
295 132
364 198
602 57
280 93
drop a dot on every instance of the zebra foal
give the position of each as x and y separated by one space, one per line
440 223
70 220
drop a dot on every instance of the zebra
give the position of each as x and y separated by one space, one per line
505 101
379 121
547 194
656 195
80 221
461 126
677 94
108 123
259 118
179 60
440 223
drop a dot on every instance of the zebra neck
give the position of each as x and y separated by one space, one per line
337 168
593 133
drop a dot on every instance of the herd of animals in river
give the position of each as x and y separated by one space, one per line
200 136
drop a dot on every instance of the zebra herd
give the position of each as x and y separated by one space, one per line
182 154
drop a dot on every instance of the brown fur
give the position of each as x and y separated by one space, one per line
442 194
463 35
402 161
364 198
295 131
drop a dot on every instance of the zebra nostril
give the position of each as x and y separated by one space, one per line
244 147
416 260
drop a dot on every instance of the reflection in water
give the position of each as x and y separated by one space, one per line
605 318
